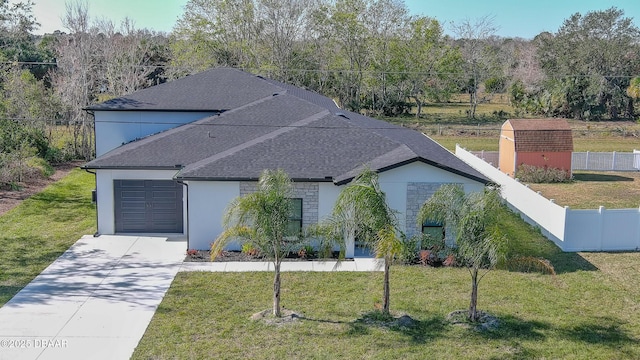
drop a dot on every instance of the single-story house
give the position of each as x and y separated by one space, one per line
171 157
545 143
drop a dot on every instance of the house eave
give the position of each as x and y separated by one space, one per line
91 108
425 161
111 167
248 178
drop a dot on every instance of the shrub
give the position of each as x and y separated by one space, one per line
537 175
408 253
250 249
21 165
306 252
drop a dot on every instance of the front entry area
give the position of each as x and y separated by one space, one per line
148 206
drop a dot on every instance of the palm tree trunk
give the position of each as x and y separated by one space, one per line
276 289
473 311
385 301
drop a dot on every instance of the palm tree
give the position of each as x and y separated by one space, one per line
262 218
473 220
361 212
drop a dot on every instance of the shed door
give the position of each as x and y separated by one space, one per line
148 206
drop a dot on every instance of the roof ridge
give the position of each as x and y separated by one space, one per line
397 151
255 141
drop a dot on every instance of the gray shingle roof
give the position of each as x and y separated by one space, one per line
298 131
212 90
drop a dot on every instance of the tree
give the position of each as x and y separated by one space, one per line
633 91
472 37
98 61
342 31
589 63
431 63
473 220
282 33
125 53
75 79
215 33
262 218
361 212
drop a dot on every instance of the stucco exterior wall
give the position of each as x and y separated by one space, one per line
208 201
408 186
105 194
118 127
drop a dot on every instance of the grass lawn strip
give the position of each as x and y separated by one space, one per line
40 229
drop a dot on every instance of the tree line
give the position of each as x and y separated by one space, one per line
371 56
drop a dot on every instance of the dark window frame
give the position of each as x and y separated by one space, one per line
294 219
433 225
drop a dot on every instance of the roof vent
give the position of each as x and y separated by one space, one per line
342 115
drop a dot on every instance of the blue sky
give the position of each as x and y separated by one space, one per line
525 18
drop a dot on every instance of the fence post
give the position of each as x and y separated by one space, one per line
613 161
638 233
586 164
601 211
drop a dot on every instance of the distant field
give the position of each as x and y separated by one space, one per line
448 124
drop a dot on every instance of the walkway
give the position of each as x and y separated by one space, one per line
94 302
97 299
357 264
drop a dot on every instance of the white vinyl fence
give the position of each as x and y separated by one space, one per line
572 230
595 161
606 161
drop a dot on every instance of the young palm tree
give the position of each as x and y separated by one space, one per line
262 218
361 212
472 218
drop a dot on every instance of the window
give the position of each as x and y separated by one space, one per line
433 229
295 220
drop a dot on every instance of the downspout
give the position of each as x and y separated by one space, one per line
187 205
95 177
95 138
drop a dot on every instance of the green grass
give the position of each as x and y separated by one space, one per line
37 231
589 190
582 312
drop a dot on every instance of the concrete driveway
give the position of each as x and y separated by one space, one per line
94 302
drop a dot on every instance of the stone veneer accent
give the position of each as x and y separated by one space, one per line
307 191
417 194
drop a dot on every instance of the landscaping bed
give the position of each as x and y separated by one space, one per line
226 256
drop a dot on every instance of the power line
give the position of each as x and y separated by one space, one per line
341 71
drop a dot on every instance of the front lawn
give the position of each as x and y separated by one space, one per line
40 229
588 310
577 315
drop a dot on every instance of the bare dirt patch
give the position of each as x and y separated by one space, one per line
266 316
485 322
10 199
